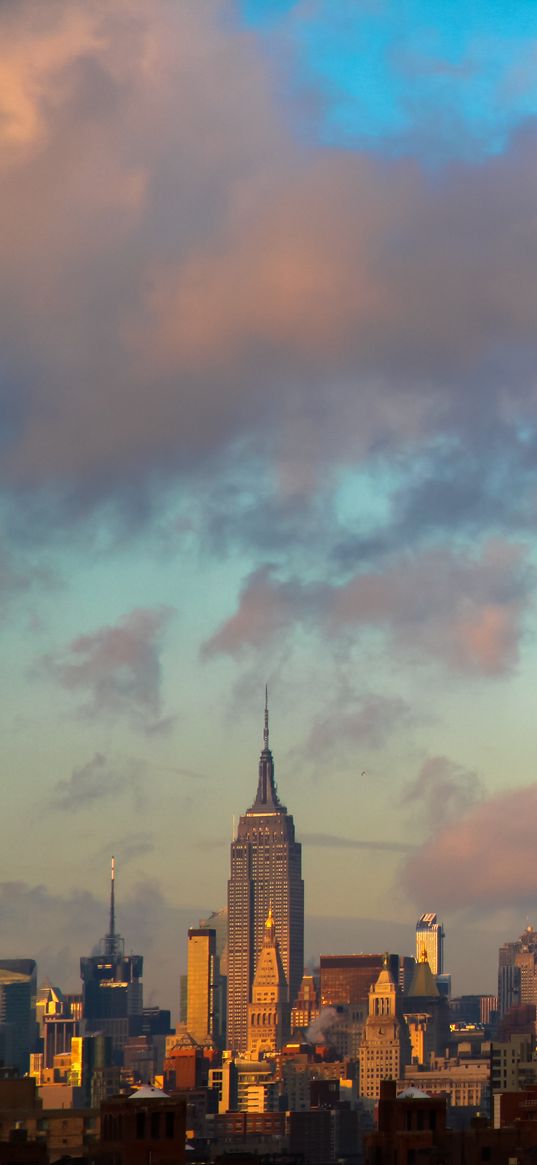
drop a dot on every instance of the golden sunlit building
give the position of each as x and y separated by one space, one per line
200 1011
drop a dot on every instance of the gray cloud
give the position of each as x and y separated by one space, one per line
355 722
301 307
96 781
442 791
117 669
56 929
335 841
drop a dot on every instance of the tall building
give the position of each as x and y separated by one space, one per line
265 872
430 939
348 978
17 1017
517 971
112 985
200 1009
268 1013
385 1045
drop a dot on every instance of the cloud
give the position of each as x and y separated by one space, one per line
442 790
355 723
57 928
482 859
463 610
266 608
96 781
117 668
335 841
199 285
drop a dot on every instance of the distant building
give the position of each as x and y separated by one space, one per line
513 1063
17 1016
268 1013
306 1005
112 986
349 978
517 971
200 1013
144 1127
430 938
265 872
384 1048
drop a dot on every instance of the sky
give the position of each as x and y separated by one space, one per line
268 413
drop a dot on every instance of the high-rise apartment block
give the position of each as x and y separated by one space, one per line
430 939
265 874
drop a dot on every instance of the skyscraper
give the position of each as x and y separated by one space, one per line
200 1013
265 875
430 939
268 1013
112 986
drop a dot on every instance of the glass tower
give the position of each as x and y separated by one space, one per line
266 875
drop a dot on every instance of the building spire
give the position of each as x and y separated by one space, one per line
112 927
266 730
113 942
267 795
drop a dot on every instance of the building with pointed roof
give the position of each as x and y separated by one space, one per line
268 1013
384 1048
112 985
265 872
426 1012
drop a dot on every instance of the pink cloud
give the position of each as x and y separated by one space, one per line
265 609
193 281
117 668
464 610
483 858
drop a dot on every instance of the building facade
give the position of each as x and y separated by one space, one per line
384 1048
268 1013
200 1012
430 939
112 986
265 873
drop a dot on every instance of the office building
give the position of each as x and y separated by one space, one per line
268 1013
200 1011
517 971
112 986
306 1005
430 938
17 1016
348 978
265 872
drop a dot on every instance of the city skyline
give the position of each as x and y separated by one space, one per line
267 414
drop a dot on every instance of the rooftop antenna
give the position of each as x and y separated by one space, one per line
112 929
266 728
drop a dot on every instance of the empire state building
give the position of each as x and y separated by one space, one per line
265 876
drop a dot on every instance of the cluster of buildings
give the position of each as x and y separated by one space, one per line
334 1062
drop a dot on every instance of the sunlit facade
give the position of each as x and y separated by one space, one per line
265 874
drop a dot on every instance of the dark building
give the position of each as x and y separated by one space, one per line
348 978
17 1012
147 1126
112 986
265 873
